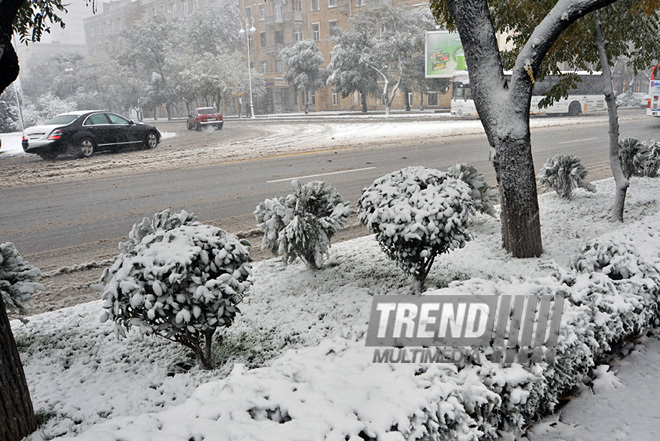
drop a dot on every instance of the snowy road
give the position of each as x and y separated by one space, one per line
67 213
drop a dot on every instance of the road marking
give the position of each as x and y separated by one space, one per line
320 174
578 140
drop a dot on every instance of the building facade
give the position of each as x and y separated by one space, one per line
278 24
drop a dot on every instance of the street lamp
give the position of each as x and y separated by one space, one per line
249 27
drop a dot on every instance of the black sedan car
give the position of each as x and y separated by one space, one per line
84 132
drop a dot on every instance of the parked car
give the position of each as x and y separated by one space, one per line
83 133
204 117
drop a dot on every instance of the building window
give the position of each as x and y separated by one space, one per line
332 3
248 12
195 5
279 37
333 27
278 11
262 12
263 39
297 5
279 66
315 5
360 3
250 42
173 6
264 67
316 32
184 7
335 99
297 34
144 14
312 99
432 98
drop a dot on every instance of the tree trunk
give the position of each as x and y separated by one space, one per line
406 92
421 100
8 59
17 418
615 161
306 102
521 234
363 99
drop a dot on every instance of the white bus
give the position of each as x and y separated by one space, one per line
653 107
586 97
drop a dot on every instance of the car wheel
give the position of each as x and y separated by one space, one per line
574 109
151 141
86 147
220 126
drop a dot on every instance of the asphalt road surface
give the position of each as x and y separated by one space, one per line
71 228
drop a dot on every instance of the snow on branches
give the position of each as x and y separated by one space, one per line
178 279
564 173
302 223
417 213
18 280
483 196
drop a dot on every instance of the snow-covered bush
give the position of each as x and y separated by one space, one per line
302 223
417 213
634 155
18 280
483 196
178 279
564 173
652 163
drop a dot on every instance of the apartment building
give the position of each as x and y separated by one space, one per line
278 24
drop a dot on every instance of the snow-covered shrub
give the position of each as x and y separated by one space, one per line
417 213
18 280
178 279
652 163
564 173
634 155
483 196
302 223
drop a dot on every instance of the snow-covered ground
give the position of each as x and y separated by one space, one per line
294 365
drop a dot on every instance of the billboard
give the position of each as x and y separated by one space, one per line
444 54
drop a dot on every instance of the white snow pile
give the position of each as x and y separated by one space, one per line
294 365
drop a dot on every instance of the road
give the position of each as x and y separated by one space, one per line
61 225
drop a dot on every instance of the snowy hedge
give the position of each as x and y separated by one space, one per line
18 280
564 173
417 213
302 223
335 391
483 196
178 279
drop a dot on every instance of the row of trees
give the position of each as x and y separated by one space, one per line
163 62
381 53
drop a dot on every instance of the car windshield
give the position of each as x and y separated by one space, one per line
206 111
61 119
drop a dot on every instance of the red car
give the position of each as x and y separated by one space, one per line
205 116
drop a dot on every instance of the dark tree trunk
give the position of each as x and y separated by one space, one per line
615 161
363 100
17 418
406 93
8 59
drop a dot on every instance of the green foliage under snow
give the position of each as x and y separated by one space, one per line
483 196
18 280
178 279
302 223
417 213
564 173
639 158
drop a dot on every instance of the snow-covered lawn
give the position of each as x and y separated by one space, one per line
294 365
